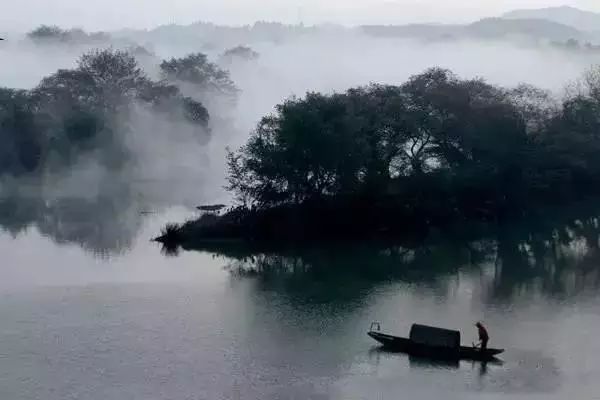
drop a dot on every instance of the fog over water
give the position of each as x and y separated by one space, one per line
327 61
144 325
92 309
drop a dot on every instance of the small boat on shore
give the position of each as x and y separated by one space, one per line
431 342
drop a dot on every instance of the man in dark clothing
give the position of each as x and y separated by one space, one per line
484 338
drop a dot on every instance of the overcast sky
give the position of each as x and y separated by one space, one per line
114 14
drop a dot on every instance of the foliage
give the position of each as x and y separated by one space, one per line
484 148
241 52
47 32
52 33
195 69
21 150
77 111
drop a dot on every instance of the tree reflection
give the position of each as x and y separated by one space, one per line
557 257
549 254
102 225
345 274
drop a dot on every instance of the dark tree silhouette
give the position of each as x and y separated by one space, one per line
432 152
82 110
362 140
239 52
45 34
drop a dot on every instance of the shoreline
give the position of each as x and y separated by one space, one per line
212 231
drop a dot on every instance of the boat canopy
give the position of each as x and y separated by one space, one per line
436 337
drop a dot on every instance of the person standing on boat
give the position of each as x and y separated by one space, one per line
484 337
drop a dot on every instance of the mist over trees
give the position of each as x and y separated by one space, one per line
103 225
46 34
370 139
201 79
434 137
243 53
434 151
86 109
79 141
547 247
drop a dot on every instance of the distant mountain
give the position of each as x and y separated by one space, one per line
489 28
532 28
421 31
209 37
570 16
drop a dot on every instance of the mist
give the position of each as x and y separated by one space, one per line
173 167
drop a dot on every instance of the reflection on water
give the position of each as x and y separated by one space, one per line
376 353
103 216
528 372
239 322
101 225
557 257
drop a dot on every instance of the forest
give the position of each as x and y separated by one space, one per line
88 109
384 160
374 160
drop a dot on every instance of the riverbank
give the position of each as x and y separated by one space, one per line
348 222
435 154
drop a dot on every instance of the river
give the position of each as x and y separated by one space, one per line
125 320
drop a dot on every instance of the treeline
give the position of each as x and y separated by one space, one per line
384 160
50 33
574 45
556 253
87 109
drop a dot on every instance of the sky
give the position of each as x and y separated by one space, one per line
22 15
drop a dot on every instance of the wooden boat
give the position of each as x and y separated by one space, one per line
436 348
211 207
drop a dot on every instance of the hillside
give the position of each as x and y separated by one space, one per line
208 37
422 31
570 16
489 28
533 28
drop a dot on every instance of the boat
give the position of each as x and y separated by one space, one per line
211 207
431 342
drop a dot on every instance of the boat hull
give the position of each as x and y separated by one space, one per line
405 345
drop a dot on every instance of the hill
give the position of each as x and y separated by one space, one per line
422 31
489 28
570 16
532 28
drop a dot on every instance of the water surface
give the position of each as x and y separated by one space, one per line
125 321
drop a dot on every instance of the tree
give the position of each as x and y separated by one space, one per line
21 148
244 53
115 73
572 44
194 111
537 107
465 123
196 70
47 32
356 143
306 149
86 109
54 34
379 111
